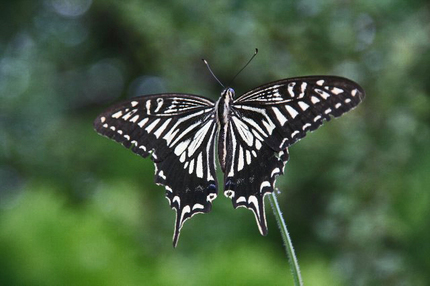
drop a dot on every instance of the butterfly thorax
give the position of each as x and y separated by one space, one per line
223 113
223 106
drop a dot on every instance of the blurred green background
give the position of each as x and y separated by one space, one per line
79 209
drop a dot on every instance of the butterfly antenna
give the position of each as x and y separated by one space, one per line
253 56
209 68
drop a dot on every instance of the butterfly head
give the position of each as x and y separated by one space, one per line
228 94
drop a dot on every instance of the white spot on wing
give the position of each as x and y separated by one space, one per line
275 171
143 122
290 89
161 174
117 114
102 119
229 194
177 200
241 159
283 142
154 155
303 105
291 111
148 107
134 103
152 125
159 104
279 116
315 99
307 125
320 82
248 157
302 89
182 158
135 118
264 185
211 197
337 90
199 166
258 144
198 207
191 168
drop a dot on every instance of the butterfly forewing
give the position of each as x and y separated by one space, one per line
292 107
179 133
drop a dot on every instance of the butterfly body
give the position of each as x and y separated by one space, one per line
252 132
223 111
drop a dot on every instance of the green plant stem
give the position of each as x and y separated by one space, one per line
292 259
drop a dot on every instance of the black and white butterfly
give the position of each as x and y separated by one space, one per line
250 136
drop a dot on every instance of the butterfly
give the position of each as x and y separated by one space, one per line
184 134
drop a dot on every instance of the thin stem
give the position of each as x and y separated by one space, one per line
292 259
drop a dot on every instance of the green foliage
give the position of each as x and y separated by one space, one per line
76 209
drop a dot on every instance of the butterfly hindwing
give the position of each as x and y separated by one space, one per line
178 131
251 169
189 176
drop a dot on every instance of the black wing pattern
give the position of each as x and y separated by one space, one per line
179 132
268 119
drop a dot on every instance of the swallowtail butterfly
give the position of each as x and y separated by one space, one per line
250 136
